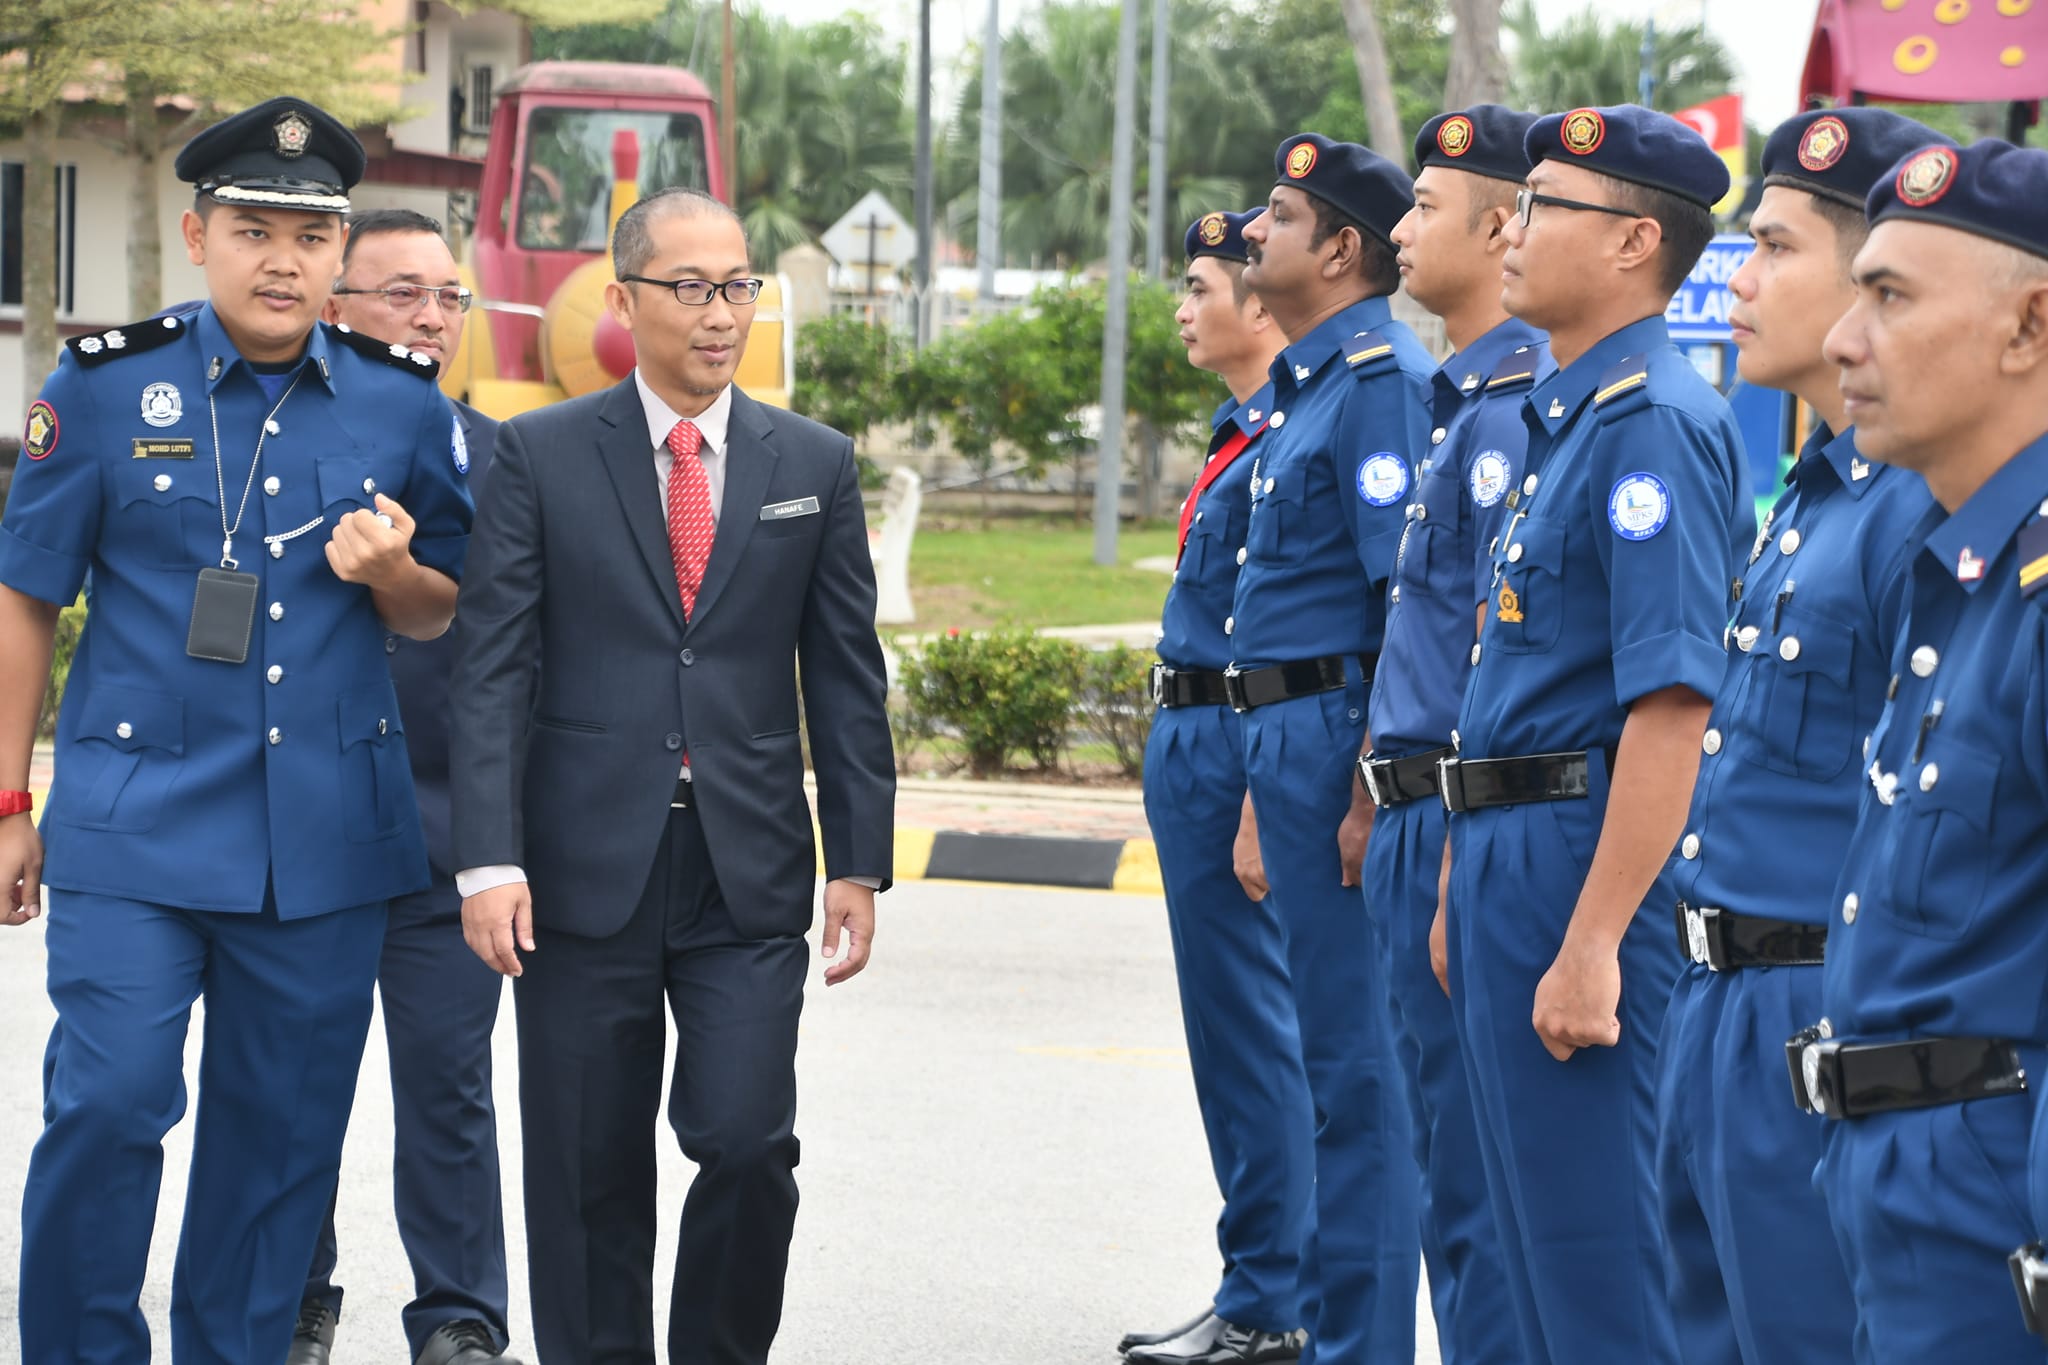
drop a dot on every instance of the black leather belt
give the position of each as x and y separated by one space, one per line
1841 1080
2030 1281
1187 687
1722 940
685 797
1397 781
1475 783
1251 688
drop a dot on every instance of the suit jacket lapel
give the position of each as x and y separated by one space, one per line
749 463
628 457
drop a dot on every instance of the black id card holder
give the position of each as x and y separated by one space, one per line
223 611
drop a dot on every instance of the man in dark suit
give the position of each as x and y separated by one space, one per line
399 284
632 824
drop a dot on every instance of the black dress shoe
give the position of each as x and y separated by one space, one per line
1228 1345
1133 1340
467 1342
313 1338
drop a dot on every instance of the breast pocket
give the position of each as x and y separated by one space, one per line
1527 605
170 513
348 482
127 753
1428 555
1277 509
376 786
1809 723
1938 876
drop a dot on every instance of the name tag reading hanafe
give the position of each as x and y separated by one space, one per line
783 511
162 448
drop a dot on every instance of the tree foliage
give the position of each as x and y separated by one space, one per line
1590 59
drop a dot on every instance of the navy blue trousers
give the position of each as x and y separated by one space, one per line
287 1010
1238 1010
440 1003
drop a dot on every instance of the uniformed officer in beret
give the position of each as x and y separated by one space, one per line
1580 731
1243 1045
1932 1033
1450 245
256 500
1751 1261
1330 488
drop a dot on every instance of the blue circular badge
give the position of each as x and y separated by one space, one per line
1639 506
1489 478
1383 479
460 449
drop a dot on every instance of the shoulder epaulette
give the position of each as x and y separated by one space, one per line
1624 387
1368 353
391 353
1516 367
97 348
2034 559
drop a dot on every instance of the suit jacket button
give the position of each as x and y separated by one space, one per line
391 644
672 742
688 656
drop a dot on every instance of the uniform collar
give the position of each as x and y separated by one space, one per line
1824 450
1467 371
214 345
1331 338
1556 401
1247 416
1971 539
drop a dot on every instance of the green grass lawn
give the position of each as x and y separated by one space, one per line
1032 571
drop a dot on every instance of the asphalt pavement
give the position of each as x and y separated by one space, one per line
1002 1160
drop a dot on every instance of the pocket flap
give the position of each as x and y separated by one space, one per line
1542 545
368 716
181 482
1957 778
1824 647
130 719
347 478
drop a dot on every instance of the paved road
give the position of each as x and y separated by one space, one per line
1002 1162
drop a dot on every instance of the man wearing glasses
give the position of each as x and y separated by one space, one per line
631 824
398 284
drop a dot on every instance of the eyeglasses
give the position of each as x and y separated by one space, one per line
698 293
404 298
1527 200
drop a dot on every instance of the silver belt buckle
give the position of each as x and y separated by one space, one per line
1444 767
1159 684
1369 775
1696 937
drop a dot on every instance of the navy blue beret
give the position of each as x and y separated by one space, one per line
1220 235
1991 188
1841 154
1360 183
1635 144
1487 139
283 153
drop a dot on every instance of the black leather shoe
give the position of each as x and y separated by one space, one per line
1133 1340
313 1338
467 1342
1228 1345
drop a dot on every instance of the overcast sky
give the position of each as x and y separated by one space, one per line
1766 37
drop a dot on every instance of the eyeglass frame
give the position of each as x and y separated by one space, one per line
717 288
463 297
1527 199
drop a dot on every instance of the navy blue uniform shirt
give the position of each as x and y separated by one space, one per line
1191 626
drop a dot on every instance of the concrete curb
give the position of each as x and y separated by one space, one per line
1126 866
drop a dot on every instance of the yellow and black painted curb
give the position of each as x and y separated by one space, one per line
1129 866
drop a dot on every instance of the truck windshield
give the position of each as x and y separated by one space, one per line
565 186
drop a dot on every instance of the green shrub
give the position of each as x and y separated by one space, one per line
1004 692
1116 703
70 625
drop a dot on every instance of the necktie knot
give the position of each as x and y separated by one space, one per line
684 440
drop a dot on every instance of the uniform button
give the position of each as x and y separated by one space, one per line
1475 656
1515 553
688 656
1691 847
1788 648
1174 577
391 644
276 674
1849 904
277 549
1279 420
271 485
1269 485
1929 775
1229 624
1421 512
1240 554
383 726
162 483
1394 593
124 731
1866 746
1789 542
1436 438
1529 487
370 486
1199 516
1925 661
276 735
277 614
1745 639
671 741
1712 742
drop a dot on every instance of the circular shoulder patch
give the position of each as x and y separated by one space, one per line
39 436
1639 506
1825 141
1383 478
1489 478
1454 135
1583 132
1926 177
1301 160
1210 230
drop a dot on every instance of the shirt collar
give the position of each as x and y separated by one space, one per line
1836 454
1557 400
1467 371
1247 416
1975 534
662 419
1332 337
215 345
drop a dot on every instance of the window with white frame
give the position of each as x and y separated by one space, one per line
12 237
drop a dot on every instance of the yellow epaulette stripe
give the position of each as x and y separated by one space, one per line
1369 354
1510 379
1621 386
2030 573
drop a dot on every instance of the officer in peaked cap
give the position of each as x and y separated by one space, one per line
1330 486
1932 1032
1750 1258
1243 1044
1589 688
257 498
1449 248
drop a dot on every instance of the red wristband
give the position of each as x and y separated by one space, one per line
16 803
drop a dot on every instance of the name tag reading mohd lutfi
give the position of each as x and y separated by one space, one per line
783 511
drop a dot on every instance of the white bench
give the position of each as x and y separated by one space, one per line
889 547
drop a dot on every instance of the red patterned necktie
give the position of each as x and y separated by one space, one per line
690 525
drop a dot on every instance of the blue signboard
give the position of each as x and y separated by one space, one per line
1699 311
1698 319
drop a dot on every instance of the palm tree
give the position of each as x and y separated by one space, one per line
1592 60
